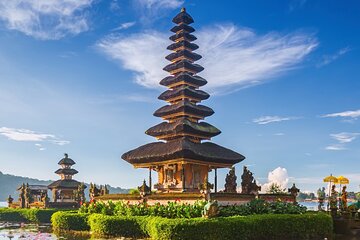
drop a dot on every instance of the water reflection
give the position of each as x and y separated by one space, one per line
33 231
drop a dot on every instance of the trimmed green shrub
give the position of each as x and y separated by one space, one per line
169 210
11 215
26 215
66 221
255 227
260 206
102 225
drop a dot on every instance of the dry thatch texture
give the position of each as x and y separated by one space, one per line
182 148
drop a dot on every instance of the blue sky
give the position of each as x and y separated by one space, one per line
81 76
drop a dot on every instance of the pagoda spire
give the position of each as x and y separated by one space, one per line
66 172
183 128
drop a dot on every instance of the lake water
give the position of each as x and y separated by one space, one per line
3 204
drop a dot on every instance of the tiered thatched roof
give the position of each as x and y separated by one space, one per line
183 130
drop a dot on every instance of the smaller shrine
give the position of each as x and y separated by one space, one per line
30 196
66 190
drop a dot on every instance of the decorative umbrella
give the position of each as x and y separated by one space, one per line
342 180
330 179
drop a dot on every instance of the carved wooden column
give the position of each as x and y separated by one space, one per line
183 177
150 180
215 181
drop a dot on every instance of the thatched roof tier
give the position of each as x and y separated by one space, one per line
183 78
184 92
182 148
183 54
186 107
183 17
183 127
182 36
66 160
66 183
183 65
183 45
66 171
182 27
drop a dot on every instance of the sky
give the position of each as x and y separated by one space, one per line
82 77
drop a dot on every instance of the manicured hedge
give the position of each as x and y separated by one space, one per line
133 227
66 221
254 227
26 215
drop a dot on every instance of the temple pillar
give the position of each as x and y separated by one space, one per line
150 180
215 181
183 177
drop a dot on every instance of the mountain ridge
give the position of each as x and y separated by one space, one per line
9 183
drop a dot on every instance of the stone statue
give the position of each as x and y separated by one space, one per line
22 196
333 198
248 183
211 209
45 199
10 200
321 198
205 187
144 189
79 194
93 191
294 191
230 181
27 196
343 202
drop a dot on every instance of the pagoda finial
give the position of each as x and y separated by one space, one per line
183 9
66 155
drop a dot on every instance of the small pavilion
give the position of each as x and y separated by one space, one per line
64 190
184 155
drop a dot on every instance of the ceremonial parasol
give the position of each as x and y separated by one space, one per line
330 179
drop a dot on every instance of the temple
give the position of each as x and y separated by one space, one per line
66 189
184 155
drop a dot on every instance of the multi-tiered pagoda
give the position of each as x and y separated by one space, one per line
183 157
64 190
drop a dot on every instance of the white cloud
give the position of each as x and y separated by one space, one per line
233 57
151 10
346 114
160 4
327 59
40 147
279 176
25 135
279 134
343 138
52 19
271 119
60 142
125 26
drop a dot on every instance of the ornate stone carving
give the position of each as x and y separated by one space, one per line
248 183
230 181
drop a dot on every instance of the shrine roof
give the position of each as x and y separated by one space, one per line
66 183
183 17
185 77
66 171
184 91
183 125
66 160
182 148
186 107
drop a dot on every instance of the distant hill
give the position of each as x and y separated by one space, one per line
9 184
